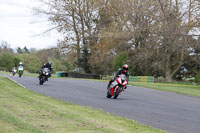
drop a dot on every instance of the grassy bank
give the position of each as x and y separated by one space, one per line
25 74
23 111
186 89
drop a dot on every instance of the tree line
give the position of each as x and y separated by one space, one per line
154 37
32 59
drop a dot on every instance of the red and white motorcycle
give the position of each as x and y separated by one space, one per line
117 86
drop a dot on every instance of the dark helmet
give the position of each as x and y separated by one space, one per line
125 68
49 62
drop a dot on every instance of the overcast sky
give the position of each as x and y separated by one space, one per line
20 27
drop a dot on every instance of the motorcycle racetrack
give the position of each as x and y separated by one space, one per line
172 112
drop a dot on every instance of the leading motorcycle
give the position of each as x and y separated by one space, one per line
117 86
44 75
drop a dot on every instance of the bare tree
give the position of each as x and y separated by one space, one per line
76 20
5 47
174 33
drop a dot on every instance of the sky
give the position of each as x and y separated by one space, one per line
20 26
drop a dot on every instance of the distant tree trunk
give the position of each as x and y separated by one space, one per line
77 38
169 76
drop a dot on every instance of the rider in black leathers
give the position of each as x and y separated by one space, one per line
47 65
123 70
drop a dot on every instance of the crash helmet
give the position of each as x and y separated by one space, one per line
125 68
49 62
20 63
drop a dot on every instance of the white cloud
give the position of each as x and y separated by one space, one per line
19 26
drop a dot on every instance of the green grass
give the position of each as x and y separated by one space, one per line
25 74
186 89
23 111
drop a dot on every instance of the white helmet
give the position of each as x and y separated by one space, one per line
20 63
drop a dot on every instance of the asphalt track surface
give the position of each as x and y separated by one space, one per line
172 112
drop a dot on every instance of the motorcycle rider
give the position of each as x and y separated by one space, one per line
123 70
20 64
47 65
14 70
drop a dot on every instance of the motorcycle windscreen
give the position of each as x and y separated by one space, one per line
45 70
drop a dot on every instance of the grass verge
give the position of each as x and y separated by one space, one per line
24 74
23 111
191 90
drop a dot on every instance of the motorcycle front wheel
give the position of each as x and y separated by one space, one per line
41 81
108 95
116 94
20 74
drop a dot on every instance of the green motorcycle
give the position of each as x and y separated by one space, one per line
20 70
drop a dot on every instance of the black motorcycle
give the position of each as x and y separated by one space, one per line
44 75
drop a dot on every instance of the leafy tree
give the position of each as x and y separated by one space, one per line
42 55
6 61
16 60
19 50
57 65
119 61
31 62
68 65
25 50
197 77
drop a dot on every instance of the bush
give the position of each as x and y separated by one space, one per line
6 61
57 65
197 77
119 61
31 62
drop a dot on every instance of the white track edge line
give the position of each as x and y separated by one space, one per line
15 82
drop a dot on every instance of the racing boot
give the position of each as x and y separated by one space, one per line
110 82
